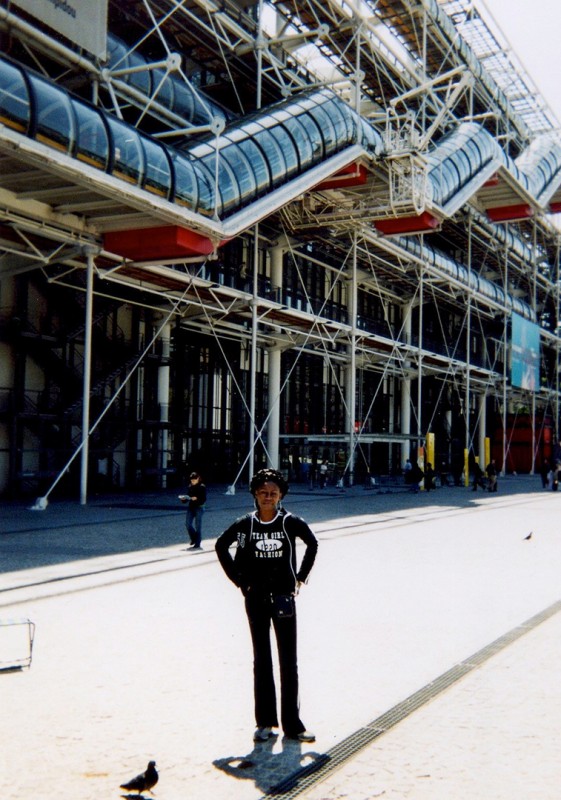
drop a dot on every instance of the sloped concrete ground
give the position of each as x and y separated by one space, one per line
142 651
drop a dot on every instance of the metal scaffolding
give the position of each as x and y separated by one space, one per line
338 206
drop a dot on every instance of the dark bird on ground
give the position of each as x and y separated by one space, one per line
528 537
143 782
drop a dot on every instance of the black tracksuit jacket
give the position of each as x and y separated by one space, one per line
265 558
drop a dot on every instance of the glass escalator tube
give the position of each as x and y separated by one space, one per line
15 104
120 56
173 92
209 158
247 163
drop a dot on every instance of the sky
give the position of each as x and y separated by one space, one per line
533 28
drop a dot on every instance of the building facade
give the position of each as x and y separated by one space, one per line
235 234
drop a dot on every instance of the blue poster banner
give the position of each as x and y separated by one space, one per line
525 354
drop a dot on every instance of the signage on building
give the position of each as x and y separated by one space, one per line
83 22
525 354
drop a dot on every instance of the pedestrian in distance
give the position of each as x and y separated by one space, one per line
196 499
477 477
429 477
323 470
413 475
545 469
264 566
491 472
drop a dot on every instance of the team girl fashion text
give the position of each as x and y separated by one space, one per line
264 566
265 558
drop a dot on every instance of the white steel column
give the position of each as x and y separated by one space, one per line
467 412
420 361
350 389
86 381
482 417
406 388
505 365
253 381
273 424
163 401
253 375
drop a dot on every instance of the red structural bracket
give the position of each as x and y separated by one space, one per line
168 241
414 224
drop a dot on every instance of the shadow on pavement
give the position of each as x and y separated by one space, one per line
273 773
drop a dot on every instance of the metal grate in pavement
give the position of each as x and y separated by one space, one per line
300 781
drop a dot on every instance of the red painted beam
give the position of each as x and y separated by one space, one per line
167 241
510 213
493 181
416 224
353 175
555 208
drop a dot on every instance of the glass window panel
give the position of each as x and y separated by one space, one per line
301 137
14 98
185 184
342 122
54 119
201 150
157 175
288 161
121 58
183 100
163 86
315 136
463 166
227 185
92 141
208 201
128 155
326 129
258 162
288 148
242 171
138 80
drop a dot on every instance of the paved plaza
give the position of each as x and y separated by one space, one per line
429 650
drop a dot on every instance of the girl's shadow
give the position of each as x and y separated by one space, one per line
273 772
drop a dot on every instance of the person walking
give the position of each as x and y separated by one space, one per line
196 497
429 477
477 476
491 472
264 566
545 469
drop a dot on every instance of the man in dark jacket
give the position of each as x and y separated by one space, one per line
265 568
196 496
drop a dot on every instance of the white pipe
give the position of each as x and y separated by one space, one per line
273 424
86 381
163 401
406 390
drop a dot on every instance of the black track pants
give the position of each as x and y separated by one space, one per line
260 615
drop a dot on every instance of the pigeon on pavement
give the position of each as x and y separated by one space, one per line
143 782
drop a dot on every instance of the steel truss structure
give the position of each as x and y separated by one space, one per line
271 232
